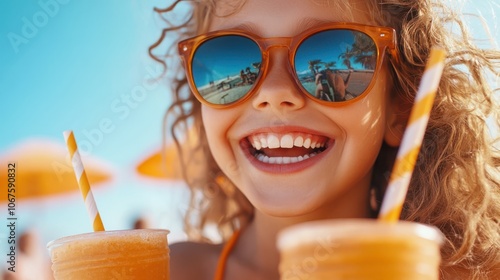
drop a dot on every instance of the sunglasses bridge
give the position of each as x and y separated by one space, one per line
275 42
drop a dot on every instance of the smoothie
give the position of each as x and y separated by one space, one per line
123 254
360 249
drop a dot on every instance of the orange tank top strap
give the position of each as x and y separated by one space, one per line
221 264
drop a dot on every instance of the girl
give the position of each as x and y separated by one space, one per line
275 155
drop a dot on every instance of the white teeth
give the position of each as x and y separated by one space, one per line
256 143
299 141
289 140
286 141
263 142
316 144
307 143
283 160
262 158
272 141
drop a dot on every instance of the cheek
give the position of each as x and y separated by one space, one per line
217 124
371 113
364 127
371 120
214 127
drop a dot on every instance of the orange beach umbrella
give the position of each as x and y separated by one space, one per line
161 165
165 163
39 167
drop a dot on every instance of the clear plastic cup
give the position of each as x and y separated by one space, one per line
121 254
360 249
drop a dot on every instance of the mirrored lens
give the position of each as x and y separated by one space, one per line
336 65
225 68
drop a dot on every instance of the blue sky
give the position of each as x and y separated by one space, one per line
83 65
77 69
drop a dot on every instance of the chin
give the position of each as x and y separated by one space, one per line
286 206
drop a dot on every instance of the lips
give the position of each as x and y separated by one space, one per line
285 148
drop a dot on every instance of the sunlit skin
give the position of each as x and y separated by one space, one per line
333 184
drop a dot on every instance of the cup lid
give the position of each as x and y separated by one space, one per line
310 232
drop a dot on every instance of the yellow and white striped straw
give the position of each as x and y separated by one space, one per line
412 139
83 182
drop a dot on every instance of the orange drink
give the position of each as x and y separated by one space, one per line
121 254
360 249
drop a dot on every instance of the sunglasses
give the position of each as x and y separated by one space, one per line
334 64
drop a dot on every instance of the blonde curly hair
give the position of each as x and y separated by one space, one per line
456 182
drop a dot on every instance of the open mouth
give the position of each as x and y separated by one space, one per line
274 148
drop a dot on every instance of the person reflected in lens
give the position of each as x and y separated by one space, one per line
244 79
251 76
338 84
322 87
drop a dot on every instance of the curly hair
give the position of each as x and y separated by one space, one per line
456 182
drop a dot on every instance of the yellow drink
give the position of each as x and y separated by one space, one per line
122 254
359 249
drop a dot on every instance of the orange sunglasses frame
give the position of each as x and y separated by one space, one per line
384 38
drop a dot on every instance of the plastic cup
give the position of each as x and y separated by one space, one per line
121 254
359 249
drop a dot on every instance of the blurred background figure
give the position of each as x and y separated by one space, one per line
141 222
32 262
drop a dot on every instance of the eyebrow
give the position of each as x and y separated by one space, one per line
307 23
301 26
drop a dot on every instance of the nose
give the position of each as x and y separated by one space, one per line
278 90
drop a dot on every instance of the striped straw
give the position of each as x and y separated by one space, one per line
412 138
83 181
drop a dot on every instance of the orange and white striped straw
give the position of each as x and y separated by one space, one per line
83 182
412 138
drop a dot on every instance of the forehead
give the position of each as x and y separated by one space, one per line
274 18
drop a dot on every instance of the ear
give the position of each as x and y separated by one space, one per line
396 118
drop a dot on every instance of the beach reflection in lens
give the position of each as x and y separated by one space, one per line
225 68
336 65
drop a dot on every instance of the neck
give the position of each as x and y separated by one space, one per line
257 249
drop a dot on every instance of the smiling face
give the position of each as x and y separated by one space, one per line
288 154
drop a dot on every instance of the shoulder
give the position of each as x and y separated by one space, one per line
191 260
